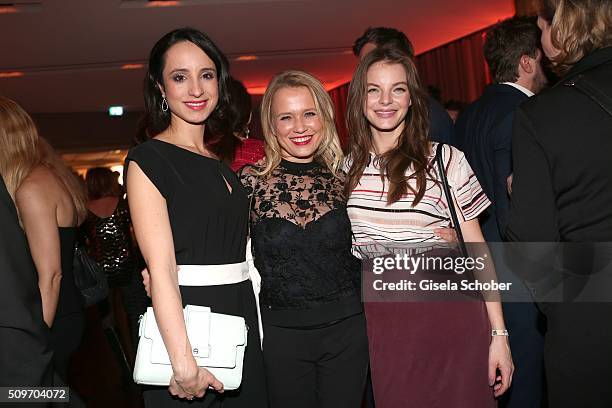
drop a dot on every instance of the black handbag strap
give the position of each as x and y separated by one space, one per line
581 83
449 199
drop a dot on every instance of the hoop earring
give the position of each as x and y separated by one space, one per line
164 105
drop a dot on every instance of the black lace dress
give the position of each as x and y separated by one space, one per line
301 241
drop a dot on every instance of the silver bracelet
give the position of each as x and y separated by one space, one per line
496 332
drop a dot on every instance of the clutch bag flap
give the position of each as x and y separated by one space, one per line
214 337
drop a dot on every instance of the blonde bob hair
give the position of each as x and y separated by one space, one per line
21 150
577 28
329 151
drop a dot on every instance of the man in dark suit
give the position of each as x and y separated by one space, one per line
484 133
562 194
25 356
440 123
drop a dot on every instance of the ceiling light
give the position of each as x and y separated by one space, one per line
14 74
20 7
8 9
162 3
247 58
132 66
115 111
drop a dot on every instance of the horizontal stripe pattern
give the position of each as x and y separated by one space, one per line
373 221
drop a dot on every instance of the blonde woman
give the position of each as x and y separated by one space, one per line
51 203
315 343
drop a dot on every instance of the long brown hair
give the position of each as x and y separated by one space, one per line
412 149
22 149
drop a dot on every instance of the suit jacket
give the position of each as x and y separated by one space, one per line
25 356
484 133
562 149
440 124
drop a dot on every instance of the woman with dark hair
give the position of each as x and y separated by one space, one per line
422 354
51 203
102 182
562 193
315 344
189 208
107 231
236 149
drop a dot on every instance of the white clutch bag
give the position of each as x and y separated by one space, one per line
218 343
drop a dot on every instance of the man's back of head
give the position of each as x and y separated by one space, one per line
507 42
375 37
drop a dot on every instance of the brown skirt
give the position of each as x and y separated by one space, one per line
429 355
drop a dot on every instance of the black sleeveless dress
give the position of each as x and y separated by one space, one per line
69 322
209 227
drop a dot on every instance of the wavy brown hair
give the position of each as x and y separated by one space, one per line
413 147
577 28
22 149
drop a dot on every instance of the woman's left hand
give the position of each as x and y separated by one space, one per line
500 359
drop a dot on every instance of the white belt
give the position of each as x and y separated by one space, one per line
211 275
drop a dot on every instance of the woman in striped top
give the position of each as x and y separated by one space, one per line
435 354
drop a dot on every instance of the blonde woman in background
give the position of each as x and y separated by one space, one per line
51 203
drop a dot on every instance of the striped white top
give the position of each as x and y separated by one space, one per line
373 221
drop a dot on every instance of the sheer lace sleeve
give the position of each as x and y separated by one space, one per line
247 178
297 192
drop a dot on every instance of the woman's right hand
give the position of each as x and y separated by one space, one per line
193 383
146 281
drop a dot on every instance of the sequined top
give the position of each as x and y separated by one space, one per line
109 242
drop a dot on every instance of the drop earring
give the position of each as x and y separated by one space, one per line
164 104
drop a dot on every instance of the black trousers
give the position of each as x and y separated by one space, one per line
324 367
66 335
578 354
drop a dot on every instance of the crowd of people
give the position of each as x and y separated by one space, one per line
526 162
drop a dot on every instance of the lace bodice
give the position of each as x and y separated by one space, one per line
301 237
297 192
